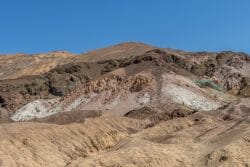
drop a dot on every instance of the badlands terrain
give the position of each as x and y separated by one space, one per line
128 105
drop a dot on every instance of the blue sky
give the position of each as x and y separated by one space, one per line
34 26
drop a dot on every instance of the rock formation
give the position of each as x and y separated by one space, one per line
126 105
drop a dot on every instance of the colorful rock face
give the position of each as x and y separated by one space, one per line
126 105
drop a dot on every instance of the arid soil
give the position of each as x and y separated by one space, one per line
126 105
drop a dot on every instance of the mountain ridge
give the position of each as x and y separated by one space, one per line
125 105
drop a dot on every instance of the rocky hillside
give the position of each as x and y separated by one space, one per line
126 105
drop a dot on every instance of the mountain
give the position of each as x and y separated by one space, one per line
130 104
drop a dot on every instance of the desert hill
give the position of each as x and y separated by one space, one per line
126 105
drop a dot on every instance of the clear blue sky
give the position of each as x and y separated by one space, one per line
33 26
